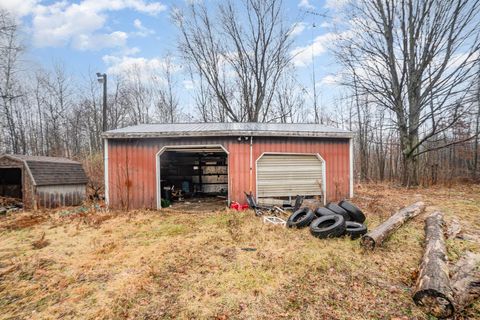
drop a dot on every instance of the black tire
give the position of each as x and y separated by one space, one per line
338 210
322 212
301 218
355 213
355 229
328 226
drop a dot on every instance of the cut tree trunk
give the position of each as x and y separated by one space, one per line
466 280
376 237
433 292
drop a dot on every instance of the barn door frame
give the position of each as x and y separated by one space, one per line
324 170
158 183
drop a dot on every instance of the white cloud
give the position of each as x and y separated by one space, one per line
331 80
100 41
19 7
138 24
298 28
459 59
326 25
303 55
60 23
335 4
305 4
130 67
81 24
188 84
142 31
151 8
130 51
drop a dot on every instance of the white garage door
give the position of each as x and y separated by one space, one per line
283 175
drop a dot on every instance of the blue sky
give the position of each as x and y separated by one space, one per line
110 35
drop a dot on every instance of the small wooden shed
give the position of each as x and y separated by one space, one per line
46 182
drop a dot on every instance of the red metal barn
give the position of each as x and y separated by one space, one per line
274 161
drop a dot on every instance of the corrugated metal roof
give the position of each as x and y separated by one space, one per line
228 129
43 158
48 171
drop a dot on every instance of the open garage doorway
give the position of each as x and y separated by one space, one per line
11 183
190 177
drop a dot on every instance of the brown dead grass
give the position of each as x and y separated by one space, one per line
23 220
167 265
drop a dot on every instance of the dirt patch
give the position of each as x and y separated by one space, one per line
22 220
40 243
199 205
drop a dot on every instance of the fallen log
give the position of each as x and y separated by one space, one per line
466 280
470 237
376 237
454 229
433 292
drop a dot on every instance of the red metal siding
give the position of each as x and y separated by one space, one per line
132 165
334 152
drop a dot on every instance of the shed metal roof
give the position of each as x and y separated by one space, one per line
228 129
43 158
46 171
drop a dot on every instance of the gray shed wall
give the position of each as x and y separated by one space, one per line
60 195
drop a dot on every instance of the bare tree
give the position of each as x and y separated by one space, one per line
58 101
136 94
166 103
240 53
10 51
207 106
414 57
288 103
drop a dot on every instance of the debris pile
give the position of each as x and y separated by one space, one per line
8 205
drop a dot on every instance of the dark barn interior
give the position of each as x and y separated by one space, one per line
193 173
11 183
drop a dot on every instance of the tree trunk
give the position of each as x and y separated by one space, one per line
376 237
433 292
466 280
410 171
477 131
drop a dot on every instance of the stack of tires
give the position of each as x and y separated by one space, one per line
333 220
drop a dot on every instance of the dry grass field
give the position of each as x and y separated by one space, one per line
166 265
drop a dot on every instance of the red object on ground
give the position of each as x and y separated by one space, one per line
237 206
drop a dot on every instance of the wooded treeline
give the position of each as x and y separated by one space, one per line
46 112
411 94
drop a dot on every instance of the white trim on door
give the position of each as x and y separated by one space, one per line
324 171
351 166
105 174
